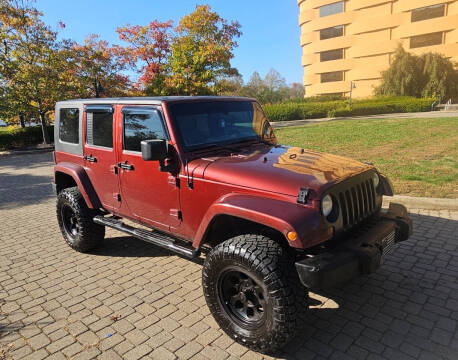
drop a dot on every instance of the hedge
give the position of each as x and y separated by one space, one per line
378 105
16 137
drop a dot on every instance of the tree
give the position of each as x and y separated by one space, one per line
276 88
229 85
441 77
271 89
96 64
297 91
429 74
201 52
32 65
148 53
255 86
404 76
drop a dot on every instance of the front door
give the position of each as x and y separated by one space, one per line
100 155
151 196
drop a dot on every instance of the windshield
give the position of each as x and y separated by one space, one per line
212 123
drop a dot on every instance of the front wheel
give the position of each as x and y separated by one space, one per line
250 287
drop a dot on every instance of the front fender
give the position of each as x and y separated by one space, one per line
280 215
82 181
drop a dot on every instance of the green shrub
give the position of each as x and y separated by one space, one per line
13 137
339 108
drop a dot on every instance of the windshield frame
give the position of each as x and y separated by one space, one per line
215 144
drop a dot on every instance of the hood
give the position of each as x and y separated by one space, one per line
282 170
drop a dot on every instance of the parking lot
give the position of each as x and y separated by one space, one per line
131 300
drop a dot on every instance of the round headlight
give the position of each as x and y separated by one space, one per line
326 205
375 180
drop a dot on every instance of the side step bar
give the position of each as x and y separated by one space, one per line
155 238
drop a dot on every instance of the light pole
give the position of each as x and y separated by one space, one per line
352 86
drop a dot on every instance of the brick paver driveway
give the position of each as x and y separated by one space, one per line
129 299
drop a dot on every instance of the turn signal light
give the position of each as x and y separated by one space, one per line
292 236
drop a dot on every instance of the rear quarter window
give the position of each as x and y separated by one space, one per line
69 125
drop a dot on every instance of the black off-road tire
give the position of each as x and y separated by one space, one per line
82 234
273 273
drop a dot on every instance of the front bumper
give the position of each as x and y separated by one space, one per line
360 253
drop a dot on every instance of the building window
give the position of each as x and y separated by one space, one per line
426 40
332 9
331 32
429 12
331 55
332 76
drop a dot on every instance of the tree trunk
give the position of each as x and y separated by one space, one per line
44 129
22 120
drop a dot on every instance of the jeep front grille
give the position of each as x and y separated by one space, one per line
357 202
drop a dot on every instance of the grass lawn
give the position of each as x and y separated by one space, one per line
420 156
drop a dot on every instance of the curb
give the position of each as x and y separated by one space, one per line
23 152
425 114
422 202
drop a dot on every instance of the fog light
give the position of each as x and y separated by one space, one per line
292 236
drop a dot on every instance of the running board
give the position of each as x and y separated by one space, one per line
155 238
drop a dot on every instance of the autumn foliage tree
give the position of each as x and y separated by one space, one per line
37 69
31 63
96 63
194 59
201 52
147 51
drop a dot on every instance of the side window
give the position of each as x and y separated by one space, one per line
139 125
99 128
69 125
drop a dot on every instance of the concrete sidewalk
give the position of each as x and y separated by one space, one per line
428 114
422 202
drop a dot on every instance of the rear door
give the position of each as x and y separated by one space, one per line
151 195
100 155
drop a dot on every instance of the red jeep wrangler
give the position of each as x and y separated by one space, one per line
206 174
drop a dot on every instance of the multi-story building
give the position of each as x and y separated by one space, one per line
348 43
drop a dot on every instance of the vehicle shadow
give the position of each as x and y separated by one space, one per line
129 246
407 308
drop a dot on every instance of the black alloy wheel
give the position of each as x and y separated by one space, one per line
243 298
70 221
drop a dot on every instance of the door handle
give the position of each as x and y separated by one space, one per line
90 158
126 166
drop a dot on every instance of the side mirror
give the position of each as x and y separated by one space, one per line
154 150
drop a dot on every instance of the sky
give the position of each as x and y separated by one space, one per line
270 27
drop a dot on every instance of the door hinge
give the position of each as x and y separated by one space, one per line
176 213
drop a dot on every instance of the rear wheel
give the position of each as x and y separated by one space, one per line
250 287
75 221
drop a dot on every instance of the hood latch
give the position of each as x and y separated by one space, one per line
303 196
